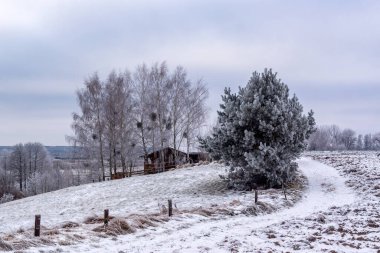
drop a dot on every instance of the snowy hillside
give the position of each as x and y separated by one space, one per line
207 217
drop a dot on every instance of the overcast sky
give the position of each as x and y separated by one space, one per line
326 51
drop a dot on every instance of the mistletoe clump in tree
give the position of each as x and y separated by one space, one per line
260 133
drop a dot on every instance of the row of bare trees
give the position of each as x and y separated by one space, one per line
131 114
28 169
23 164
333 138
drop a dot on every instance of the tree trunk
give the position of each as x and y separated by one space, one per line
20 181
101 157
130 169
110 160
144 143
175 143
114 160
123 164
187 145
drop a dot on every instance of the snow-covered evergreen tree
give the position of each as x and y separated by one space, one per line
223 142
261 132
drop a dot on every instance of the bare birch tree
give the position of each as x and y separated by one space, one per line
141 87
150 108
180 86
119 114
195 113
7 180
18 165
88 126
159 77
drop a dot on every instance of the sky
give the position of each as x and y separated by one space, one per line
327 52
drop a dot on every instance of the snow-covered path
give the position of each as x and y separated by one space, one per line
326 189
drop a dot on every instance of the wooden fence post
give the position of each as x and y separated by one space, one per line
106 217
256 193
170 207
37 225
284 190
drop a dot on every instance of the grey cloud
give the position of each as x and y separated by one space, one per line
325 51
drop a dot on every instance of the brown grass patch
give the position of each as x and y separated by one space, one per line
115 227
50 232
8 237
259 208
143 221
96 219
29 241
70 225
5 246
64 243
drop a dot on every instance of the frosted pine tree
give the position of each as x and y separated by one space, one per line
261 132
225 139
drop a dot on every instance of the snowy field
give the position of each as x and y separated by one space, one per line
356 227
338 213
198 194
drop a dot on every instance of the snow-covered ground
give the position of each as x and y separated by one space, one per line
353 228
189 188
196 192
313 224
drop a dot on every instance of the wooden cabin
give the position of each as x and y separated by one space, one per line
155 164
196 157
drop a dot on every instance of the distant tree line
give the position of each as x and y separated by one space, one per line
130 114
331 137
28 169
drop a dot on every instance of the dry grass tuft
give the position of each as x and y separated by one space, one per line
70 225
93 220
224 211
24 239
116 227
142 221
8 237
158 217
259 208
29 241
5 246
50 232
96 219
